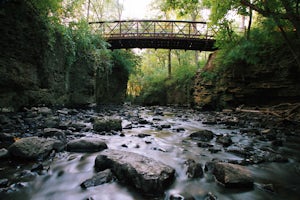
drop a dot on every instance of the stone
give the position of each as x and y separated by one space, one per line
194 170
214 150
78 126
204 145
34 148
143 173
266 187
225 140
231 175
166 126
143 135
6 137
4 182
128 126
86 145
107 124
3 153
100 178
44 110
202 135
181 197
143 121
51 122
54 132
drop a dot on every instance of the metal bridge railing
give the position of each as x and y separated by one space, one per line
152 29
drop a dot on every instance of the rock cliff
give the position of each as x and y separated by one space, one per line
249 85
34 65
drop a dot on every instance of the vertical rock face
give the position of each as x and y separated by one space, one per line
111 86
31 70
250 85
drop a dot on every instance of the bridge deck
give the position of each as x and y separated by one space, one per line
156 34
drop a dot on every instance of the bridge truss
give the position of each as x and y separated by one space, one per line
158 34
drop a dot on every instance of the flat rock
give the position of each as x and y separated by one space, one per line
145 174
86 145
231 175
100 178
33 148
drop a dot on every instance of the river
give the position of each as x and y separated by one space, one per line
161 133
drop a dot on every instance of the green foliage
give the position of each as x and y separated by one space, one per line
126 59
209 75
243 52
183 7
47 6
152 82
77 39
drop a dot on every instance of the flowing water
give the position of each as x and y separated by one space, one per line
65 172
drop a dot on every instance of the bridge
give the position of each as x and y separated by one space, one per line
157 34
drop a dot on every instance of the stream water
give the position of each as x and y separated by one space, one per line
168 141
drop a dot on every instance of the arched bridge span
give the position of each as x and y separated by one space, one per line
157 34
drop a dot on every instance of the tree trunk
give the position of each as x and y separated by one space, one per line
249 24
289 44
88 11
169 64
196 58
293 16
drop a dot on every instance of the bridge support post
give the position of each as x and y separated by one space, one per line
169 64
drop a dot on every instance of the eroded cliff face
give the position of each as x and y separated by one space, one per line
249 85
33 72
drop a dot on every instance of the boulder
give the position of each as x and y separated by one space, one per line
225 140
107 124
231 175
100 178
194 170
33 148
86 145
202 135
145 174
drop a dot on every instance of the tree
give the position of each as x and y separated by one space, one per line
285 13
186 8
280 11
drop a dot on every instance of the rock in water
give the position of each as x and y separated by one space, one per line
231 175
194 170
145 174
107 124
202 135
100 178
86 145
33 148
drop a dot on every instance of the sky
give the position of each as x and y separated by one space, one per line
135 9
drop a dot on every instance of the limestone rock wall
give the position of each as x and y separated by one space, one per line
249 85
111 87
31 71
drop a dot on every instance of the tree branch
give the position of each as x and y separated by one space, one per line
265 13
